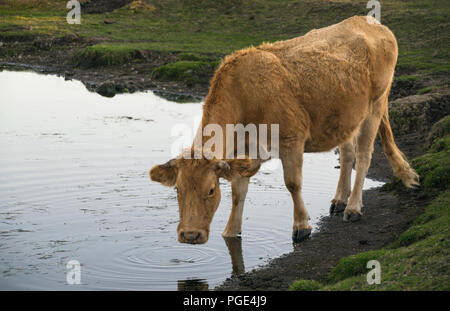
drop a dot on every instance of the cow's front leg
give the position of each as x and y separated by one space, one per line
292 161
239 188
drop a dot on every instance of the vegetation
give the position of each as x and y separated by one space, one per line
440 129
426 90
434 166
190 71
106 55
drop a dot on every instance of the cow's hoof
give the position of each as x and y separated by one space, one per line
332 207
352 217
301 235
337 208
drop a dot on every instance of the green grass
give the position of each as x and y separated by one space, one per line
305 285
440 129
106 55
407 78
186 70
406 81
219 27
434 166
419 258
426 90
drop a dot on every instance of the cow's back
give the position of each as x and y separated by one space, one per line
349 54
340 72
322 84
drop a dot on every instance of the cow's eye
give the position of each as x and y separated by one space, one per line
176 189
211 191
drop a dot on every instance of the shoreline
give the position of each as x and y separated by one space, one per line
386 216
169 90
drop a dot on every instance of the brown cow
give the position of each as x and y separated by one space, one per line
325 89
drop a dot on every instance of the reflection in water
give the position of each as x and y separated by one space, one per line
234 246
193 285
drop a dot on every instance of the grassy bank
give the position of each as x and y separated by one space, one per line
214 28
418 259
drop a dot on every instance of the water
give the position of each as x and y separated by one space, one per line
74 186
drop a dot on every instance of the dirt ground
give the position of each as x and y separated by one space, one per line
101 6
134 76
385 217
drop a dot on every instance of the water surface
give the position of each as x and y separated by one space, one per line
74 186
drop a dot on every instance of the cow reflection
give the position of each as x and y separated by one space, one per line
234 246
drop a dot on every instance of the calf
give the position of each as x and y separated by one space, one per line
326 89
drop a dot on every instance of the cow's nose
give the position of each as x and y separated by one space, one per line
192 237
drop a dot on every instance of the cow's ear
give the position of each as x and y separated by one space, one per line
165 174
237 167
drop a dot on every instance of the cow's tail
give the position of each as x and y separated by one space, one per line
396 158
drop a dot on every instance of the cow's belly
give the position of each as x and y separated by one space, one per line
321 145
330 130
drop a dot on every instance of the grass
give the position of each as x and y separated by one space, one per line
305 285
406 81
426 90
418 259
440 129
434 166
106 55
191 71
218 27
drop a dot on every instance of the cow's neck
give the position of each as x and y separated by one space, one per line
216 113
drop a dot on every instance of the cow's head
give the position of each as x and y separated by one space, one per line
197 184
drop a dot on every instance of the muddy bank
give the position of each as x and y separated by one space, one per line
411 118
386 215
56 55
61 55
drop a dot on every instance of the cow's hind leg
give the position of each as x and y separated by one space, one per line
364 148
346 159
292 160
239 188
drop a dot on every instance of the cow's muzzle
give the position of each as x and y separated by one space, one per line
192 236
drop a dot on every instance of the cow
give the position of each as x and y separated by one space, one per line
326 89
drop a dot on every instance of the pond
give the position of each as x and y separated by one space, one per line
74 185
